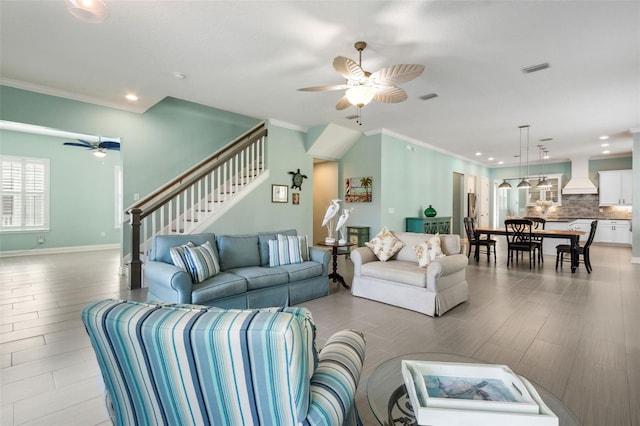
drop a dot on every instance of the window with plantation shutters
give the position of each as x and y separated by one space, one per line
25 193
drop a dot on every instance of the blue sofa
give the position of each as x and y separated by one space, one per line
194 365
245 280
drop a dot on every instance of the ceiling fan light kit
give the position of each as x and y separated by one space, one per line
362 86
92 11
360 96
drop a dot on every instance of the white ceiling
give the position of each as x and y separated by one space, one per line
251 56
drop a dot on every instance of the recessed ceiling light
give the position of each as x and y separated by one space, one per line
478 154
500 162
604 144
603 137
606 151
178 75
93 11
131 97
490 158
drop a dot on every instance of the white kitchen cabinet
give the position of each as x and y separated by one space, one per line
615 187
613 231
553 194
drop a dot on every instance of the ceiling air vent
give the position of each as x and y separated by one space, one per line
429 96
546 139
351 117
534 68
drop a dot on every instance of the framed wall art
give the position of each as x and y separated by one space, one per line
358 190
279 194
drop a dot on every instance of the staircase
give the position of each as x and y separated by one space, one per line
194 200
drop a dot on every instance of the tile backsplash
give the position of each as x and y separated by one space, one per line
585 206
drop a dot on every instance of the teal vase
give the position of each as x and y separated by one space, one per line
430 211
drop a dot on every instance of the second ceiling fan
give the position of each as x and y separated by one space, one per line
362 86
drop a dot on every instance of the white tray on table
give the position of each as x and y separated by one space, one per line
446 393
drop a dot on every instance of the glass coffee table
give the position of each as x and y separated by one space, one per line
391 405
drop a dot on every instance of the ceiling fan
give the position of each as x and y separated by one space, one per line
362 86
99 148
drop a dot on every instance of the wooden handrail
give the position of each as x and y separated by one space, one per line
151 202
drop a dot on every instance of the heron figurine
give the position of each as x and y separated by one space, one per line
331 212
342 221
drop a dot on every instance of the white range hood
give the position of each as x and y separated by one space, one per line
580 182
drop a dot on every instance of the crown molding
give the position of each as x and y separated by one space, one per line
387 132
17 84
286 125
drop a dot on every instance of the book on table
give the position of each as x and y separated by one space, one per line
450 393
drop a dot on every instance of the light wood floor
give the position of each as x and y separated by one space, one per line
577 335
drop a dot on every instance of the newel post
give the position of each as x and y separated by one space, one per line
135 269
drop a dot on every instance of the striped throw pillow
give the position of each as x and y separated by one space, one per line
288 249
178 255
201 262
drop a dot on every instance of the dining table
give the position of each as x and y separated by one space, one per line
572 236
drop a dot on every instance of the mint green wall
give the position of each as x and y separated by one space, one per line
156 145
82 189
362 160
623 163
409 179
286 152
415 177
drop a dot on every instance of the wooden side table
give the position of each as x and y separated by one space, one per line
335 276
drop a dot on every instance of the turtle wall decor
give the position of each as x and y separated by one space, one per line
297 179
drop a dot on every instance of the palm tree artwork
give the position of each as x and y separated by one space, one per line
358 190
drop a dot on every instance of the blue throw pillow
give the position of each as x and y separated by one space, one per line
201 262
179 256
287 249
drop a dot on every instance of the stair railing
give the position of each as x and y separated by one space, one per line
196 194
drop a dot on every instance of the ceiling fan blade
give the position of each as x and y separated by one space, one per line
112 145
80 143
398 73
348 68
390 95
343 103
324 88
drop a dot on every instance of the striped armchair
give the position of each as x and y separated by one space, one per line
193 365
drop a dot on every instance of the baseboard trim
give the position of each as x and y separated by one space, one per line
57 250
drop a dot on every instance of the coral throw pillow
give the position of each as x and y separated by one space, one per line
385 245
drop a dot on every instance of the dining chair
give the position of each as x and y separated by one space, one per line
487 243
538 223
584 250
519 234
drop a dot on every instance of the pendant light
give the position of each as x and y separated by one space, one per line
543 183
524 183
504 185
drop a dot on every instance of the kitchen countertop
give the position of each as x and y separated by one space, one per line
571 219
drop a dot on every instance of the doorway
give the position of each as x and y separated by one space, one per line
325 189
458 204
